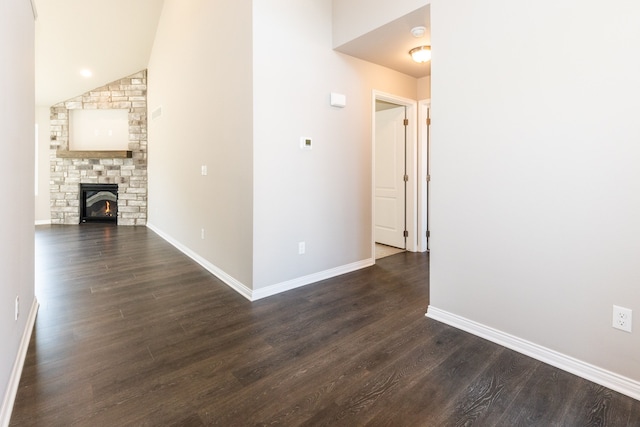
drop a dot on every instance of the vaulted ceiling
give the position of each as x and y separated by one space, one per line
114 38
111 38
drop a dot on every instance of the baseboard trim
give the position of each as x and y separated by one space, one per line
16 372
43 222
574 366
267 291
228 280
309 279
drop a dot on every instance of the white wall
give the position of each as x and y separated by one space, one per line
536 186
42 208
424 88
17 120
240 108
200 74
322 196
354 18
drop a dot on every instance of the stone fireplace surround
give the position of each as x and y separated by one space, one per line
68 169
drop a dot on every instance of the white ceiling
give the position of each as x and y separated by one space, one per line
113 39
390 44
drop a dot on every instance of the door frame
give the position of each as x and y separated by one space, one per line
411 211
424 171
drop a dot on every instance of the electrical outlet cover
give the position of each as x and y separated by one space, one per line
622 318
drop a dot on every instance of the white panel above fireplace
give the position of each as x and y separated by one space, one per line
95 130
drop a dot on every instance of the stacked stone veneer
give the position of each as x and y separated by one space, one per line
130 174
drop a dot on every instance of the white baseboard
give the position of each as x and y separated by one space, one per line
43 222
577 367
267 291
16 372
309 279
230 281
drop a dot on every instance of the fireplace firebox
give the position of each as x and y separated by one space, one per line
99 203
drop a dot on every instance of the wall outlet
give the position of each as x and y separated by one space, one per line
17 307
202 233
301 248
622 318
203 170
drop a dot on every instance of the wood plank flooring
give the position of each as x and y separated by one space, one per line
133 333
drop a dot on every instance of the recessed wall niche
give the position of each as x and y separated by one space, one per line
98 130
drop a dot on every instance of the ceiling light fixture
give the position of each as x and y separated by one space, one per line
86 73
421 54
418 31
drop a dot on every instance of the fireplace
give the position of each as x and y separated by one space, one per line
99 203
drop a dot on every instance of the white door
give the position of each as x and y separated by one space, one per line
389 177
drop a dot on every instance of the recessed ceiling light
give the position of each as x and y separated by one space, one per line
86 73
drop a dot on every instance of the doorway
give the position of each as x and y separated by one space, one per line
390 169
394 150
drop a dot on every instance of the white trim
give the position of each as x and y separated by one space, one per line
412 152
309 279
16 373
423 169
609 379
267 291
43 222
230 281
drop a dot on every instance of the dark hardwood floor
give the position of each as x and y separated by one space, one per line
131 332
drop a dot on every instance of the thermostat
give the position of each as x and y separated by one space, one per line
305 143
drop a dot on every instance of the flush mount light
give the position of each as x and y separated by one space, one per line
86 73
421 54
418 31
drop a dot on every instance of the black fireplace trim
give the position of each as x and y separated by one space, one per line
84 218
